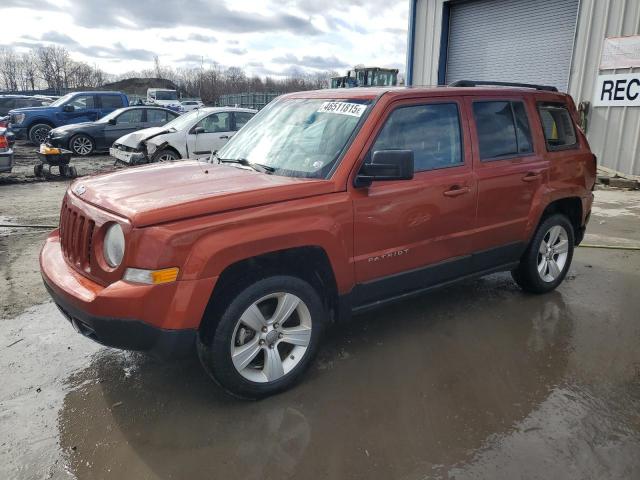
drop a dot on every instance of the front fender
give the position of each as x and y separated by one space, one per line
325 221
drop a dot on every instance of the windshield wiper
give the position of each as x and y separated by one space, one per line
258 167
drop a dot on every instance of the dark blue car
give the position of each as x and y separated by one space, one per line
34 123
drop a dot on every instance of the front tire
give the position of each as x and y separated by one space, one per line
38 133
165 155
82 145
547 259
266 337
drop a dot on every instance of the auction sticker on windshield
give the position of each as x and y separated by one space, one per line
343 108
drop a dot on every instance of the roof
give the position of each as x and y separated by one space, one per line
370 93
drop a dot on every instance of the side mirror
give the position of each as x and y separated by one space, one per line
68 108
386 165
112 121
198 130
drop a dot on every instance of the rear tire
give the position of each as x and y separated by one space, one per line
547 259
38 133
265 339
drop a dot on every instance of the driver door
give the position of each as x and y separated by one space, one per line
412 234
210 134
81 108
126 122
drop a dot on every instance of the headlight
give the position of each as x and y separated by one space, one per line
19 117
113 248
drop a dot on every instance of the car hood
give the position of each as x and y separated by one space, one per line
75 126
167 192
43 110
133 139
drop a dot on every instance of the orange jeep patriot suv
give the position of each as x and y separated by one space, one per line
325 203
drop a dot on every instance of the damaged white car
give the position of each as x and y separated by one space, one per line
193 135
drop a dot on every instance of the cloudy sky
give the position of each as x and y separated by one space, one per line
267 37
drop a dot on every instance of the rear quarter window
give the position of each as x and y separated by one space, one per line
557 125
111 101
503 129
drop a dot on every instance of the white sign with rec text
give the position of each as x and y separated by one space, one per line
618 90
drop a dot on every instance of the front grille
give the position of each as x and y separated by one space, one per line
76 236
125 148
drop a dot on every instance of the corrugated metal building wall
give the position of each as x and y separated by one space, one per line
614 132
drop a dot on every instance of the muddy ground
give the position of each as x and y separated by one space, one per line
475 381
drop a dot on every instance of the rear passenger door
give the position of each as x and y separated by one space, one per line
412 234
511 172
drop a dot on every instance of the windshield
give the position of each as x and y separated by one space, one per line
62 100
165 95
297 137
184 121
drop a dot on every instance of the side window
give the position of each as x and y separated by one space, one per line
157 116
503 129
242 118
111 101
216 122
558 126
130 116
82 102
431 131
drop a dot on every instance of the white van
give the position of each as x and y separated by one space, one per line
163 97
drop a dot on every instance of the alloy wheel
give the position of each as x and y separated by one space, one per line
271 337
552 253
82 145
40 134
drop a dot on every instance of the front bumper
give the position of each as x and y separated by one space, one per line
160 319
60 142
6 161
128 157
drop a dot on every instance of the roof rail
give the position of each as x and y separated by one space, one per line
478 83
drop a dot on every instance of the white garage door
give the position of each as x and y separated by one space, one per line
526 41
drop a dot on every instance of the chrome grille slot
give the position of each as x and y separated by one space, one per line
76 237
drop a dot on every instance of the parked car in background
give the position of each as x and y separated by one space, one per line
4 122
9 102
35 123
88 137
192 135
6 151
188 105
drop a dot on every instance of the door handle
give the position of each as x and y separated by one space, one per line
224 137
531 176
456 191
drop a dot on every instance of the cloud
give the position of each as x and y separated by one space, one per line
116 51
310 61
211 14
237 51
194 37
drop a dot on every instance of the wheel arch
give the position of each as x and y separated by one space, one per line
167 146
571 207
310 263
39 121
